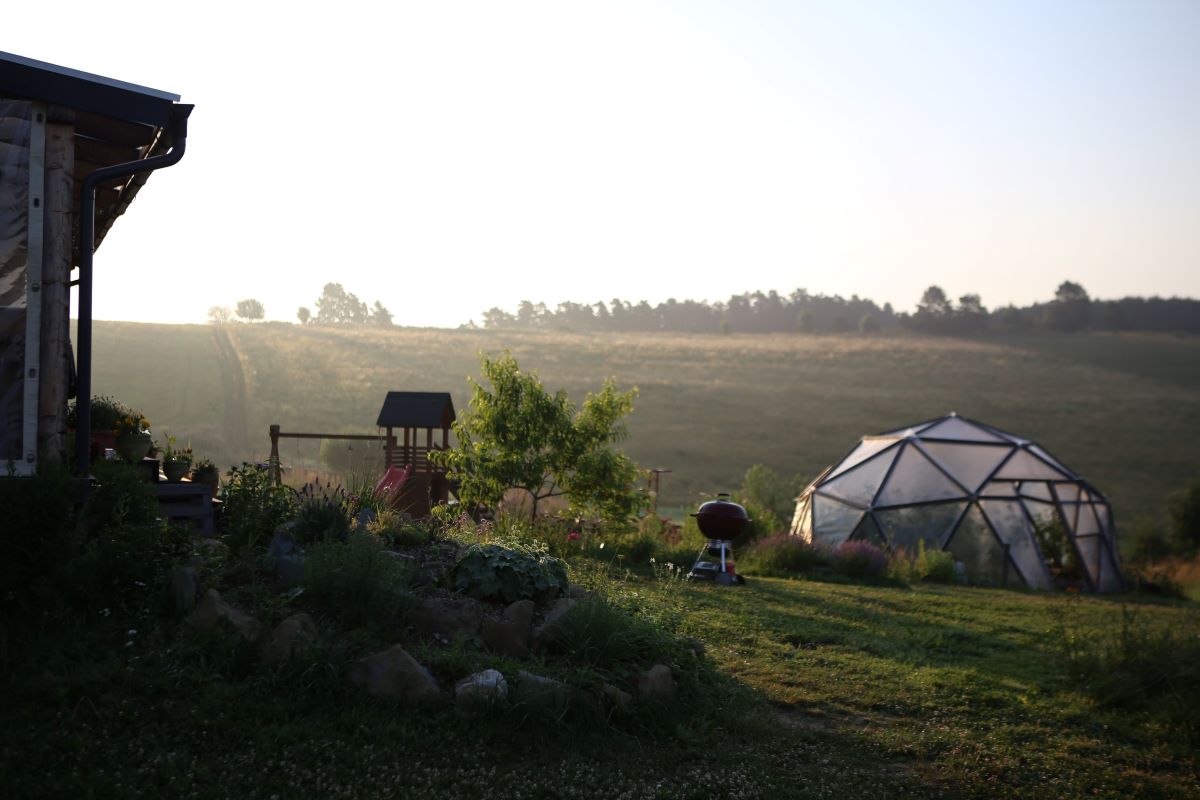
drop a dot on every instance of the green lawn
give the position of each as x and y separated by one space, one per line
848 691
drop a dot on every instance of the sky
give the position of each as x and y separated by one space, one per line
447 157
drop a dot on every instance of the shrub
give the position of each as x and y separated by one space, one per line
39 534
507 573
120 497
782 555
254 505
357 580
931 566
320 519
1183 511
1153 668
859 560
598 635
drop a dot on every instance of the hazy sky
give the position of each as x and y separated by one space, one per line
445 157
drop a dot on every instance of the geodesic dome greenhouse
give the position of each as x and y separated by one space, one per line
973 490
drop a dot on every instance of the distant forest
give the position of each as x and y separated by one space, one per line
1071 309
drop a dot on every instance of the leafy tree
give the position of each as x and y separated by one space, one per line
381 316
868 324
934 303
304 315
219 314
516 435
250 309
1070 309
336 306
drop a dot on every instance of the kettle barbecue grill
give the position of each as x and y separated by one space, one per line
722 521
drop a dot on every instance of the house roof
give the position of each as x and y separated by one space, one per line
416 410
115 122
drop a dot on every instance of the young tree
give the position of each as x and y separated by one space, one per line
304 315
1071 308
250 309
516 435
381 316
219 314
336 306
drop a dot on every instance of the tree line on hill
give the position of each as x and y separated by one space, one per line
335 306
1071 309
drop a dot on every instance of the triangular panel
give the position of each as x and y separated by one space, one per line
974 545
1067 492
999 489
1051 460
1037 490
904 527
970 464
868 531
866 448
1086 523
916 480
1024 467
833 521
860 484
1014 529
960 430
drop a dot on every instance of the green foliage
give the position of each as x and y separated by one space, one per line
1183 510
319 519
781 556
1143 667
120 497
931 566
516 435
1056 548
250 309
772 497
596 634
254 505
106 411
357 580
38 535
397 530
509 573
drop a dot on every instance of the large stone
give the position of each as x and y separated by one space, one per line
481 689
290 637
282 544
213 612
538 690
184 586
290 570
695 645
446 617
656 684
580 593
618 697
394 674
509 635
558 609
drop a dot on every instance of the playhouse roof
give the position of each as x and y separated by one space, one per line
416 410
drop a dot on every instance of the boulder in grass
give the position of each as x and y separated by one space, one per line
446 617
509 635
213 612
617 697
481 689
290 637
184 586
290 570
396 675
538 690
656 684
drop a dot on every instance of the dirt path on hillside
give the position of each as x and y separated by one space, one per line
233 382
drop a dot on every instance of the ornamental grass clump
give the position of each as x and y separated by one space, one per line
357 580
598 635
254 505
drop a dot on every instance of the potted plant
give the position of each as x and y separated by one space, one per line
206 472
177 461
106 411
133 436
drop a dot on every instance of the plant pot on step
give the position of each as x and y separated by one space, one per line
175 469
209 476
133 447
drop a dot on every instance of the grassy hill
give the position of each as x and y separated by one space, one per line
1123 410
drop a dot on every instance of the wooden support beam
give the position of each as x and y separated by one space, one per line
55 355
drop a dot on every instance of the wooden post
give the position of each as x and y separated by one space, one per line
390 460
273 461
428 447
407 456
55 355
445 438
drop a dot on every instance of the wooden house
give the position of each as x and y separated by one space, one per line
75 148
409 418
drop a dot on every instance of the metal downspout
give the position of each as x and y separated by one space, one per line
87 247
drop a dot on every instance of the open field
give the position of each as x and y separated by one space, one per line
1123 410
848 691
